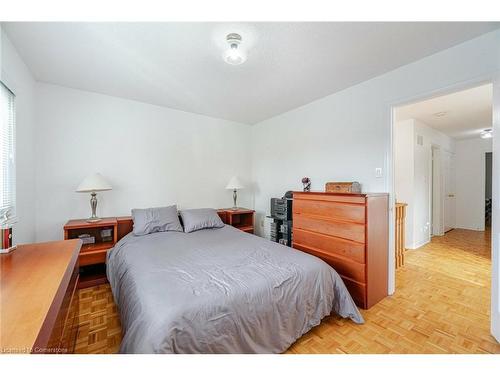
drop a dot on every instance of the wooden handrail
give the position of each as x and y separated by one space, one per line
400 234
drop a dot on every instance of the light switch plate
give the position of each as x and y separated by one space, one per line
378 172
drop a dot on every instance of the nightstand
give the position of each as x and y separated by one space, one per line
92 256
240 218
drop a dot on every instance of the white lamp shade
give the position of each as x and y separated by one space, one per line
234 184
94 182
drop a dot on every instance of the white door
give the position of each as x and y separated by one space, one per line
449 190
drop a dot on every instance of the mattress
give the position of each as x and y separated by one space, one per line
219 291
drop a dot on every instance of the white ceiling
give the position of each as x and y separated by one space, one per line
179 65
464 114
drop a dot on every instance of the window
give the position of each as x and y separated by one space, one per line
7 156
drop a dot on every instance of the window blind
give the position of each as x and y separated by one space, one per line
7 156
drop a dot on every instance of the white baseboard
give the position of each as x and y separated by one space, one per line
418 244
468 228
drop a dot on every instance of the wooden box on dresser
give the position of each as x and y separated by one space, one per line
350 232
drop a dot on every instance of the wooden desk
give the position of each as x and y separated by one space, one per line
38 301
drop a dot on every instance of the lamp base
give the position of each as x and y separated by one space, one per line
235 196
93 205
9 250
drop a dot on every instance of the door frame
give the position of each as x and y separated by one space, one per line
436 192
491 178
446 191
494 79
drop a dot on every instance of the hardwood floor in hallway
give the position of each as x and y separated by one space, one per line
441 305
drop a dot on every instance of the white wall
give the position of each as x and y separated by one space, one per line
404 172
151 155
470 164
18 78
346 135
413 175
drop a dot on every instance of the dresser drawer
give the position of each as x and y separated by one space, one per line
334 210
92 257
348 198
353 270
356 290
333 245
346 230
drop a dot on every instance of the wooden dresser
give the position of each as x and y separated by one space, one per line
39 300
92 257
93 253
349 232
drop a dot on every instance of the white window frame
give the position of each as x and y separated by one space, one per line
8 206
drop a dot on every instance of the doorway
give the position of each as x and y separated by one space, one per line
442 167
439 167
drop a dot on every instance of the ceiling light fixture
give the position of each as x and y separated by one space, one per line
487 133
234 55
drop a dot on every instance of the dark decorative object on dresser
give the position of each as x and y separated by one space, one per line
350 232
306 182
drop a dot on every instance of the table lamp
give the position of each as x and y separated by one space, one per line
91 184
234 184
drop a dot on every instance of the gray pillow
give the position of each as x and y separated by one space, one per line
157 219
200 218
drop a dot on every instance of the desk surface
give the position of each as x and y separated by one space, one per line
33 280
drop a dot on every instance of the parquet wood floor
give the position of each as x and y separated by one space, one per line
441 305
99 330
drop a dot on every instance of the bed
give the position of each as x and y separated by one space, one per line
219 291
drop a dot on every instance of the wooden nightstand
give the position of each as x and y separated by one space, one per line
92 257
240 218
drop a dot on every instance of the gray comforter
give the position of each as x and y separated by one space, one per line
219 291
